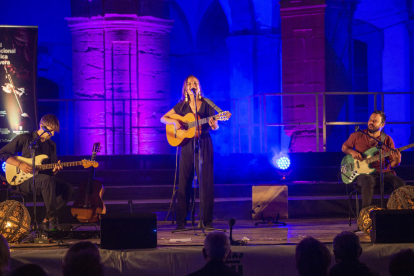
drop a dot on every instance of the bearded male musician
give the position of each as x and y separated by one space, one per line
186 174
56 193
358 143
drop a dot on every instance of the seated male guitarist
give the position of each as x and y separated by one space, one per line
358 143
56 193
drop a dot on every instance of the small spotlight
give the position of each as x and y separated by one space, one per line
3 166
283 163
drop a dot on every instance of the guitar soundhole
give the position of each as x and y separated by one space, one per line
185 126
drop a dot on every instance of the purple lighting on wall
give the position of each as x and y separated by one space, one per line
122 80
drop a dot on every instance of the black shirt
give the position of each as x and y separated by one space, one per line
205 111
20 144
350 268
215 268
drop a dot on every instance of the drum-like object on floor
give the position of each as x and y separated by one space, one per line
364 221
401 198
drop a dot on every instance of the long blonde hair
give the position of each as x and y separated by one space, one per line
184 91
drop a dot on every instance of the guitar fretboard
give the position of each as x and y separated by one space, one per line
65 164
200 122
388 153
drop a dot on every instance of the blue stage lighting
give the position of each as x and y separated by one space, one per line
3 166
283 163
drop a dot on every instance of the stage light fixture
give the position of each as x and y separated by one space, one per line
283 163
3 166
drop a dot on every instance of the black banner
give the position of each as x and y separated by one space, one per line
18 73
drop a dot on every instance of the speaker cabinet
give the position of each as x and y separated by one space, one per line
129 231
392 226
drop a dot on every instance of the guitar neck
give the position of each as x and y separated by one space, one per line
376 158
65 164
200 122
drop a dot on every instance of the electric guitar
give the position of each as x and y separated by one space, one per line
181 136
351 168
15 176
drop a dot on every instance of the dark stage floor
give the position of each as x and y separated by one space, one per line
262 234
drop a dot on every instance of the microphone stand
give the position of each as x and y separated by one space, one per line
379 146
32 148
232 222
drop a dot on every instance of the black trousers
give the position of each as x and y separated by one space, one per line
367 182
56 193
186 175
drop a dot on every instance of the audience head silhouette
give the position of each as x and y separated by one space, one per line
402 263
346 246
82 259
312 258
29 270
4 255
216 246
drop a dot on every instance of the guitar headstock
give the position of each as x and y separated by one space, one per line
87 164
223 116
96 147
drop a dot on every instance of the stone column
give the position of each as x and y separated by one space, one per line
117 104
154 83
316 57
255 62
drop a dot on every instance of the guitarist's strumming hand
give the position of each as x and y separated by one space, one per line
25 168
178 124
356 155
57 168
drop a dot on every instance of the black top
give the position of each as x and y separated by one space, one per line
350 268
20 144
205 111
215 268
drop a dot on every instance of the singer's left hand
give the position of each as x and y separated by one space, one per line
57 168
213 123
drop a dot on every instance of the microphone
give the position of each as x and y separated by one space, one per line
356 128
46 130
194 90
232 222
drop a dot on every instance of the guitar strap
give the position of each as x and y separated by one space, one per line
216 108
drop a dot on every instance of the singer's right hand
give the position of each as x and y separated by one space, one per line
178 124
356 155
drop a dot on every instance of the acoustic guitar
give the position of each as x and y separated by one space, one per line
89 206
179 137
16 176
351 168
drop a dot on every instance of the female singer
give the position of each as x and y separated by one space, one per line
192 89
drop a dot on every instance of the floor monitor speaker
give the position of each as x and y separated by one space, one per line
392 226
129 231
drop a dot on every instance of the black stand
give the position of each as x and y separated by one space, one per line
35 228
379 146
197 141
232 222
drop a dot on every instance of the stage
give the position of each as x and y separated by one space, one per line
270 249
